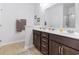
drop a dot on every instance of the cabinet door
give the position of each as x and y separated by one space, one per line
36 40
69 51
54 48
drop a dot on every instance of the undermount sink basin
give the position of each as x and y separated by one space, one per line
70 31
67 32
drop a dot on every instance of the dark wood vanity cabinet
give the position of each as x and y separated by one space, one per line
59 45
54 48
52 44
69 51
40 41
44 43
36 39
58 49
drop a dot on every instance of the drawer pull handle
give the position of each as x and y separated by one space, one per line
62 50
44 40
43 45
44 35
44 52
59 49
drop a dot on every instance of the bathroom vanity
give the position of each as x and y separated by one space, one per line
55 43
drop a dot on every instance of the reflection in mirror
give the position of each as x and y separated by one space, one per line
37 20
69 15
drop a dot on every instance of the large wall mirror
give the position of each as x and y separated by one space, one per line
69 15
56 15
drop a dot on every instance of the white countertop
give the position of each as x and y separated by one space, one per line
65 33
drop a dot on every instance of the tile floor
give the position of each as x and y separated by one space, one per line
30 51
12 49
18 49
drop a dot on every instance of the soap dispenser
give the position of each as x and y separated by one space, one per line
45 23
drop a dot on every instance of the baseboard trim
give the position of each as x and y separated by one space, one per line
7 43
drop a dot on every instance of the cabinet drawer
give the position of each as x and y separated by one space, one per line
44 45
44 51
44 35
44 40
55 37
36 32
